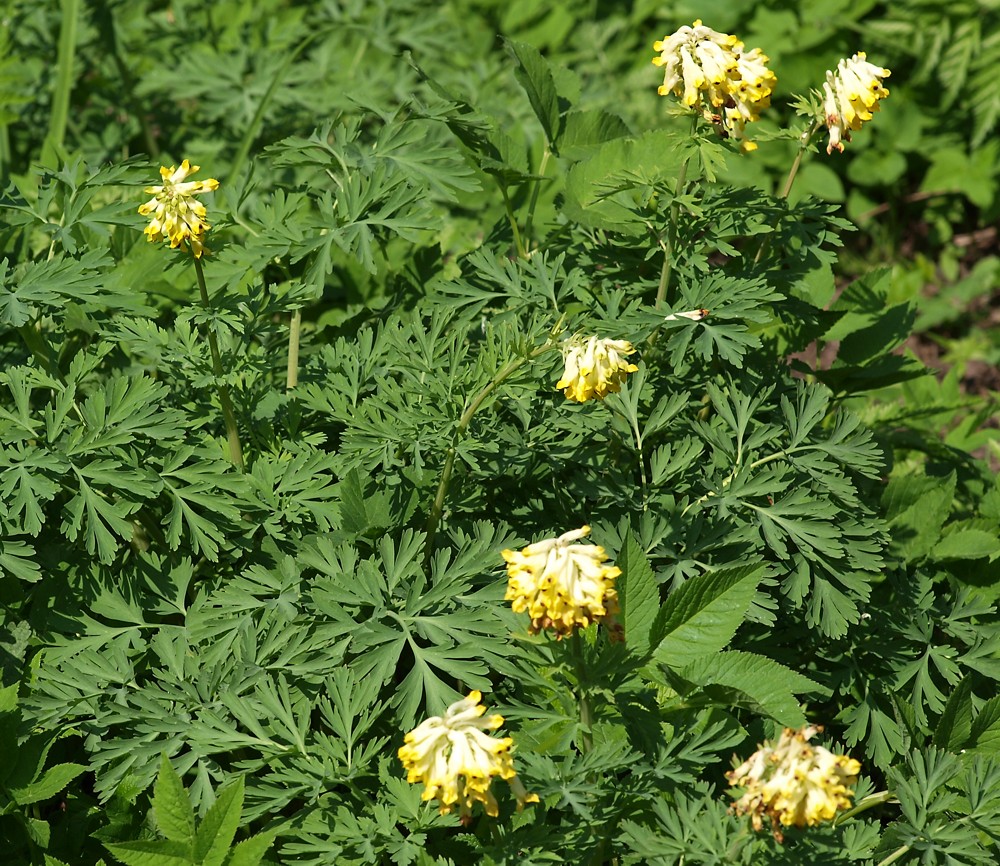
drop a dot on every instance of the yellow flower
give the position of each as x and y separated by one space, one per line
176 214
703 66
456 760
563 585
594 368
793 783
850 97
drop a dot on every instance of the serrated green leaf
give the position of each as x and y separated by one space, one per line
174 815
985 732
917 507
585 130
218 828
535 77
638 594
251 851
151 853
955 725
701 617
959 543
51 783
769 687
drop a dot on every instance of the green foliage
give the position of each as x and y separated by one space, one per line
206 662
210 843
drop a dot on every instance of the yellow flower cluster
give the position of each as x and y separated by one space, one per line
794 784
704 67
850 97
456 760
562 585
594 368
176 214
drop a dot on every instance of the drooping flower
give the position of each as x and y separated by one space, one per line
703 67
562 585
456 759
794 784
594 368
850 97
175 212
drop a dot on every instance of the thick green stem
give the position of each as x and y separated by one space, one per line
64 73
530 219
864 805
583 697
518 243
294 329
894 856
437 509
669 241
228 414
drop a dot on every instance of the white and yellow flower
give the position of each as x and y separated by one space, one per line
794 784
593 367
175 212
850 97
563 585
456 759
704 67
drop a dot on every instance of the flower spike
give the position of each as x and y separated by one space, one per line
562 585
792 783
175 214
456 760
850 97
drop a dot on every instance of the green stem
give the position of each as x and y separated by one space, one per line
228 414
258 117
504 373
529 220
804 141
634 424
864 805
104 18
518 243
675 210
64 73
894 856
294 329
586 719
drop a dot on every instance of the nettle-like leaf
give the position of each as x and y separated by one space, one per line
210 843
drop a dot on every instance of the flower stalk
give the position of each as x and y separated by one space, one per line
228 414
502 375
294 331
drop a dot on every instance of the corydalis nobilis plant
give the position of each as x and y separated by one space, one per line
850 97
456 759
563 586
703 66
176 215
792 783
594 368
